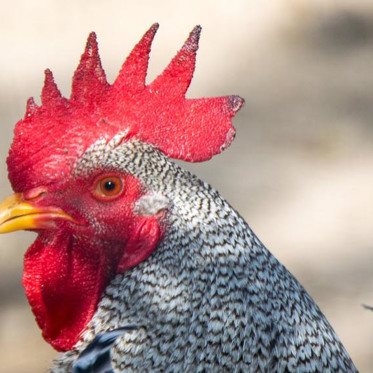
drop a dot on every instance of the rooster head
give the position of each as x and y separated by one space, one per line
94 221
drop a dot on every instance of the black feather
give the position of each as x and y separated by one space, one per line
96 357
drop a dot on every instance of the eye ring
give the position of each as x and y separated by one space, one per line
108 187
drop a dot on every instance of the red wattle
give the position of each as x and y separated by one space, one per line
64 277
63 281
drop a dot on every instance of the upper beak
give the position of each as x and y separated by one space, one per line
16 213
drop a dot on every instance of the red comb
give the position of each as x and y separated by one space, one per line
158 113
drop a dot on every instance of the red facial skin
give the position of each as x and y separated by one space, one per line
68 266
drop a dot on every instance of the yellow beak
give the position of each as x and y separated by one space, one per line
17 214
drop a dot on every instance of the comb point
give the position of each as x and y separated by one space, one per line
31 108
50 93
235 103
192 42
91 47
132 75
176 77
89 80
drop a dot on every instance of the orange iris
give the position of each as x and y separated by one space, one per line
109 186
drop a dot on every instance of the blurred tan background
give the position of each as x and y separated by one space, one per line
300 169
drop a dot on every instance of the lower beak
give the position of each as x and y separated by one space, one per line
17 214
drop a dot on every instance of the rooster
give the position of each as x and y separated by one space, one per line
127 237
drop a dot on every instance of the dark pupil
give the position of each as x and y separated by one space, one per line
109 185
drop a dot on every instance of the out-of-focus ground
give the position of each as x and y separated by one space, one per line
300 170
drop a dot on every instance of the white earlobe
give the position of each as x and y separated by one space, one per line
151 204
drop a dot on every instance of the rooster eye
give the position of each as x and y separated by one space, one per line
109 186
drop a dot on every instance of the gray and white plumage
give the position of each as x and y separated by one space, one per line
211 297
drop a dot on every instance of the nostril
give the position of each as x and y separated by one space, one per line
35 193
